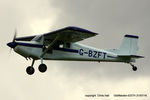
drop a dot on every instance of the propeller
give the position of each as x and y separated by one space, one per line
13 43
10 50
15 34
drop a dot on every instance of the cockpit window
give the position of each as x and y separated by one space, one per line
37 38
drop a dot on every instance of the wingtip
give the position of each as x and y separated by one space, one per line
80 29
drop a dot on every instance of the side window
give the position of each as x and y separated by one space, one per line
61 46
37 38
68 45
49 51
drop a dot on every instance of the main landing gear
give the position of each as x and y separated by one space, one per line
134 68
42 68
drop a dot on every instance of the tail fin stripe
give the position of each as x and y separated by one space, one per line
132 36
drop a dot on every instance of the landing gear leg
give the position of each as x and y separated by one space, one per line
30 70
134 68
42 67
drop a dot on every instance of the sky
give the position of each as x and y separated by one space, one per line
71 80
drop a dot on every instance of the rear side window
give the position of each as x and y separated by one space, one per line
68 45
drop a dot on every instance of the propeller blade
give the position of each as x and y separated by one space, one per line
10 50
15 34
12 44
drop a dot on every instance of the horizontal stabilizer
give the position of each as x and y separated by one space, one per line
130 56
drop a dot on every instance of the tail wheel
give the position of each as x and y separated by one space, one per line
30 70
42 68
134 68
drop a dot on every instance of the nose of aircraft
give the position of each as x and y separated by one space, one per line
12 44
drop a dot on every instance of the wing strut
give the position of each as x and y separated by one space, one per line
50 46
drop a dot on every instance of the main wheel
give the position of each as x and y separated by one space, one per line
42 68
134 68
30 70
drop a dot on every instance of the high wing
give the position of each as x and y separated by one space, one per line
67 34
26 38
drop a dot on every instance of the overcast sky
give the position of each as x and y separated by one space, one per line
73 80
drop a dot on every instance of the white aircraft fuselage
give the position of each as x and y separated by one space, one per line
76 52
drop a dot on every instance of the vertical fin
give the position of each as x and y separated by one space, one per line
129 45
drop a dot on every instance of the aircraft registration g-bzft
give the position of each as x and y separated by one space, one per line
62 45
